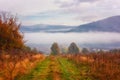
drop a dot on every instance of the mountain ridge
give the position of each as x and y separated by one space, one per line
110 24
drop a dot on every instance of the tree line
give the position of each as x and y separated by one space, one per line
73 49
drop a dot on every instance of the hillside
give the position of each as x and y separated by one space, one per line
111 24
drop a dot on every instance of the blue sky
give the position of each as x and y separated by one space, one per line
61 12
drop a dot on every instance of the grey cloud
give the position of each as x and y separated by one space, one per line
87 0
87 18
68 3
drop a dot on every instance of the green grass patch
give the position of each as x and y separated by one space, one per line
69 70
72 71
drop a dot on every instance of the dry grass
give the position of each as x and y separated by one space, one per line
12 65
102 66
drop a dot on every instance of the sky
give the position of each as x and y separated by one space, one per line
60 12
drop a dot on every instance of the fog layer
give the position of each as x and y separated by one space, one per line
67 38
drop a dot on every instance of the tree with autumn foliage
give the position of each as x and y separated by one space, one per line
10 37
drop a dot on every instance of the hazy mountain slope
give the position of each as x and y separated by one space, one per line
111 24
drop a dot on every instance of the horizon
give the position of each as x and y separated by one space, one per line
74 25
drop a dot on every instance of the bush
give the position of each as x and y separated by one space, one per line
10 37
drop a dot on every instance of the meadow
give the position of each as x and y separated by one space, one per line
94 66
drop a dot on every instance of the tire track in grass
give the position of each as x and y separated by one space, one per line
40 72
55 68
47 70
70 71
52 71
55 71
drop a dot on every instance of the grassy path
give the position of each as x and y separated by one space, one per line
39 72
71 72
55 68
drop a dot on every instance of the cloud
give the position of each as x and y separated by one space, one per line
69 12
26 7
88 18
55 17
67 38
87 0
91 10
69 3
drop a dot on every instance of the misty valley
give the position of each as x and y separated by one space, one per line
59 39
92 40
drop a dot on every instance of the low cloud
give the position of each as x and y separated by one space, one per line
67 38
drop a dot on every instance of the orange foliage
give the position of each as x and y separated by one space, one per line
10 37
13 65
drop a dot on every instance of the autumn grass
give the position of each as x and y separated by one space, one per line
71 72
57 68
15 65
64 68
39 72
97 66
